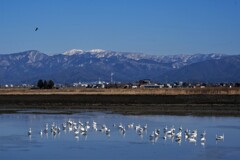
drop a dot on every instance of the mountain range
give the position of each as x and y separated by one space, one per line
88 66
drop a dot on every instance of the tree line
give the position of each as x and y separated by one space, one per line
44 84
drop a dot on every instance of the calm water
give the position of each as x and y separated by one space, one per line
16 144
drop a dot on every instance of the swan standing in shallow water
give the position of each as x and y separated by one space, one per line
131 125
203 139
30 132
46 128
94 123
179 135
155 133
193 134
218 138
64 126
108 132
41 132
165 129
145 127
192 140
203 135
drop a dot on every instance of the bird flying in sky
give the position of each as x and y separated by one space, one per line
36 28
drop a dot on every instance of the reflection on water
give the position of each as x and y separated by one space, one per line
106 136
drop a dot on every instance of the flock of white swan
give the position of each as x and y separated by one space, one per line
79 128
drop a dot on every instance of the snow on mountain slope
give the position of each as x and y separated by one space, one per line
79 65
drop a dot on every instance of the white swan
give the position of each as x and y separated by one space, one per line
82 129
54 132
165 129
137 127
180 128
170 132
46 128
94 123
220 137
41 132
95 128
203 134
145 127
152 135
120 126
173 129
123 131
30 131
69 122
194 134
130 125
179 135
80 123
156 133
140 131
76 132
192 140
107 131
203 139
64 126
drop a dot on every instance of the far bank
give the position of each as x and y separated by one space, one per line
174 104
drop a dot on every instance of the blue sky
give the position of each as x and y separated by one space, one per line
159 27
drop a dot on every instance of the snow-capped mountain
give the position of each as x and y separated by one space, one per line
78 65
73 52
177 60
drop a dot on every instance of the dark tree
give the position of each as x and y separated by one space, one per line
40 84
50 84
45 84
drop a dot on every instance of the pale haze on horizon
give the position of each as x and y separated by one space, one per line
159 27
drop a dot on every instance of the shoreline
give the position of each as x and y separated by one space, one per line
124 103
121 91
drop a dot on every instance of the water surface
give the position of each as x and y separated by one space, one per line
16 144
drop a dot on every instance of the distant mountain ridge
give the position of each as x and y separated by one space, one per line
87 66
226 69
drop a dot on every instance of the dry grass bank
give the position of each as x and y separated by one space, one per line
90 91
126 101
